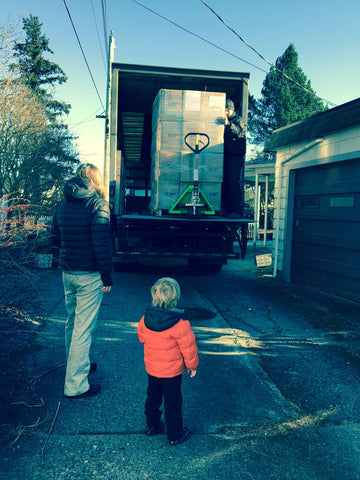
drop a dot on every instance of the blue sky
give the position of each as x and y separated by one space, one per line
326 35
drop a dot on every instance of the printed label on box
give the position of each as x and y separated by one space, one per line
192 100
216 101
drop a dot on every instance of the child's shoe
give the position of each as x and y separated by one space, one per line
150 431
184 436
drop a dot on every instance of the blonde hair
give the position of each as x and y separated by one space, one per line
91 174
165 293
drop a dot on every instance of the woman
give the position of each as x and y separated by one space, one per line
81 230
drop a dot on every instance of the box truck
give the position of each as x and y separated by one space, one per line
165 149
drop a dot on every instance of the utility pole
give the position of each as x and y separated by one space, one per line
107 117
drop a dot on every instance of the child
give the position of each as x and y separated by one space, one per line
169 348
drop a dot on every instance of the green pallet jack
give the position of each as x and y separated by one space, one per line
193 201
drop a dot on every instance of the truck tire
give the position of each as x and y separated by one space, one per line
124 266
199 267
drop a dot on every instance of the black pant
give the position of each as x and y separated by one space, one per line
232 190
170 389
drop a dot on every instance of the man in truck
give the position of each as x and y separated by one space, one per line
232 197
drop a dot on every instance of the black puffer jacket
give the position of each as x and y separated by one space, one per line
81 229
234 139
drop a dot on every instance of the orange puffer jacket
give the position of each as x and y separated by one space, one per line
169 343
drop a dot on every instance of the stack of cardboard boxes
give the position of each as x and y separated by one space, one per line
175 114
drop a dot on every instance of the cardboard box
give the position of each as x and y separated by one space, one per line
210 167
167 135
163 198
188 105
167 165
168 105
175 114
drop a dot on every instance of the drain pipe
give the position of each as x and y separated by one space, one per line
266 208
256 210
291 157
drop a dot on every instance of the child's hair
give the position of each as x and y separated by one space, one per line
91 174
165 293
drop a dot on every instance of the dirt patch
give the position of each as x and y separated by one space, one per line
322 310
18 331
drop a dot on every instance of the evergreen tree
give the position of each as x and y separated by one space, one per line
53 156
35 70
283 101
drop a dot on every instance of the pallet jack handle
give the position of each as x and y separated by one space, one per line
193 199
197 135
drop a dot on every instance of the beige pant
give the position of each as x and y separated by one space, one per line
83 297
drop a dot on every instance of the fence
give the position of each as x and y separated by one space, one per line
251 228
43 220
260 233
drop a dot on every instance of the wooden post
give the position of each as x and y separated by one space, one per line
266 208
107 118
256 210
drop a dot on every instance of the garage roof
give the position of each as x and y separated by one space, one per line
338 118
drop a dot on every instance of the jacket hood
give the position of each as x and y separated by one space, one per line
160 319
76 190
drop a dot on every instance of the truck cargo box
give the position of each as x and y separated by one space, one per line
150 165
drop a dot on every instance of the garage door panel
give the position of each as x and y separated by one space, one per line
317 226
326 229
342 266
349 186
345 287
343 177
329 215
326 240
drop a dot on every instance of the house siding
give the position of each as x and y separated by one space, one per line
336 147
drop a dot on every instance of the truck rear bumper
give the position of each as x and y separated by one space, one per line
120 256
204 238
175 219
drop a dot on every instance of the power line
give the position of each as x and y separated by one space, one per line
106 36
263 58
87 119
98 35
82 51
198 36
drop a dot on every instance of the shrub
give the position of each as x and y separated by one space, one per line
20 237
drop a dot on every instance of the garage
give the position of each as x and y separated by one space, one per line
326 228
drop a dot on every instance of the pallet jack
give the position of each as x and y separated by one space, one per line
193 201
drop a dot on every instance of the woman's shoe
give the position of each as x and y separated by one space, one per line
181 439
93 390
93 367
